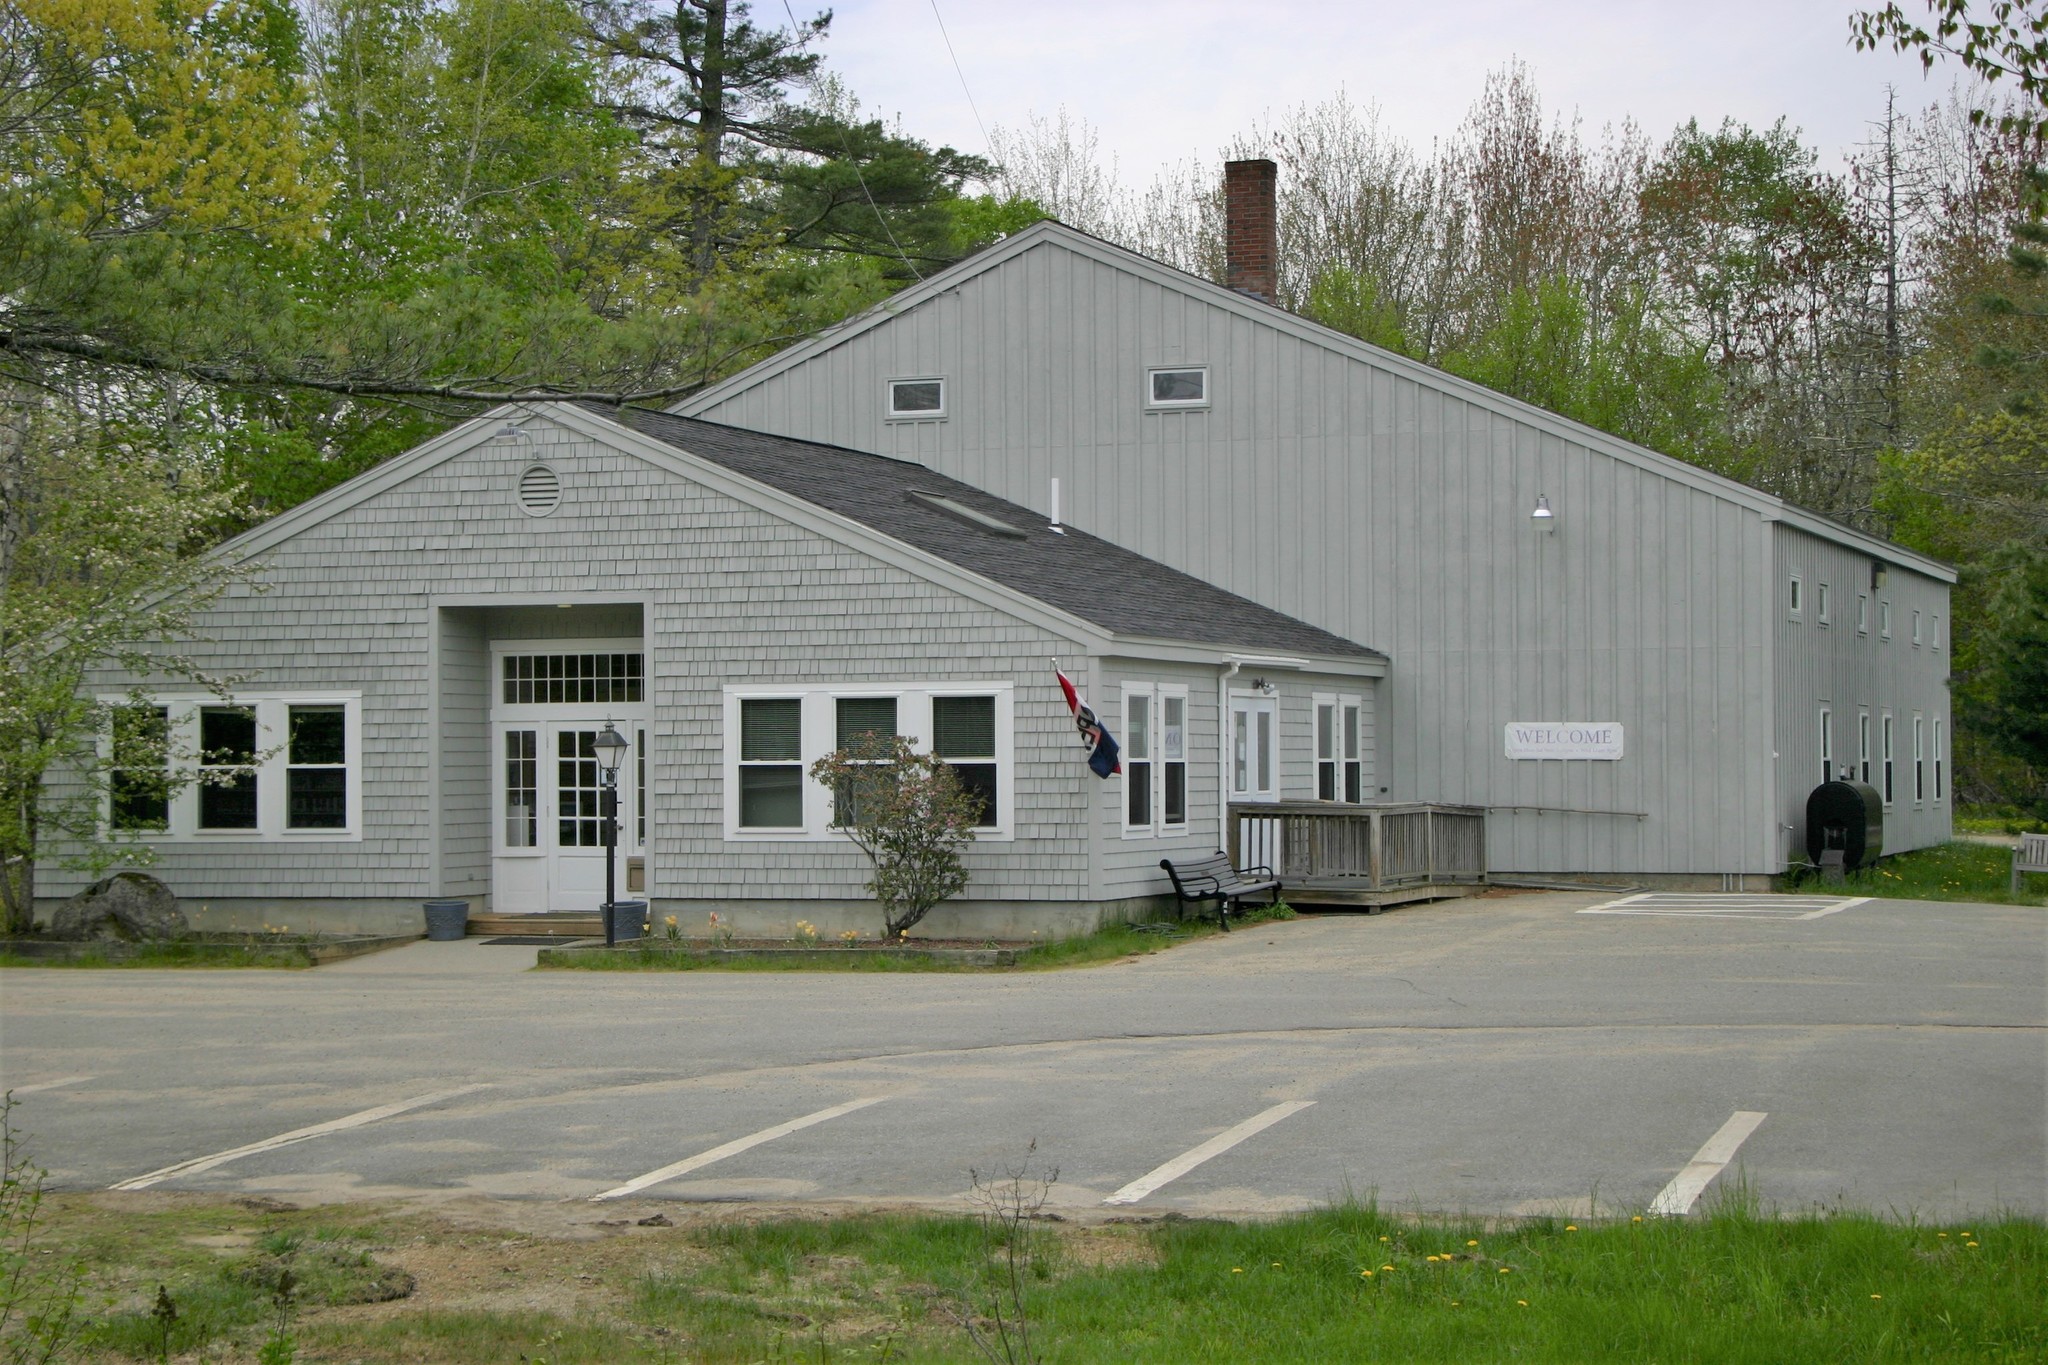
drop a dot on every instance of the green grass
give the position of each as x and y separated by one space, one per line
174 955
1955 871
1973 819
1730 1284
1111 943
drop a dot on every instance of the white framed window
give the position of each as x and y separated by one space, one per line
1339 747
1939 755
920 399
774 734
1796 603
1934 632
1863 747
1822 613
1155 758
1885 727
1884 620
1177 386
1863 613
1916 628
1827 744
1919 759
270 766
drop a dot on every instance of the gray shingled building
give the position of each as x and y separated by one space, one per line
442 639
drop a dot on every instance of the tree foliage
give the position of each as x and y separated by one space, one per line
1995 41
906 811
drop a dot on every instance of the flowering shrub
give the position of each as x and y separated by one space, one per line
907 811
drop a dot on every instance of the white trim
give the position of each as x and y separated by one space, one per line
1797 607
1884 618
891 413
272 710
1823 613
946 281
1863 613
1827 742
817 727
1916 627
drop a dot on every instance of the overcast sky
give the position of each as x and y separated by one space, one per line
1166 81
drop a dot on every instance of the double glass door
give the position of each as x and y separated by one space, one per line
550 814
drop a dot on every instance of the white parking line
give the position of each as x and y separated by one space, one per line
1721 905
207 1163
733 1148
1678 1197
47 1085
1215 1146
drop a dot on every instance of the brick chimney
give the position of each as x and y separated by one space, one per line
1251 235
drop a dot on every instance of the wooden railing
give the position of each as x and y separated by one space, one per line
1373 846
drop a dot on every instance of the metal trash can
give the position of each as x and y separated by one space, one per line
626 920
447 920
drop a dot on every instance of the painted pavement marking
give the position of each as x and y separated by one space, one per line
733 1148
48 1085
1215 1146
207 1163
1722 905
1685 1188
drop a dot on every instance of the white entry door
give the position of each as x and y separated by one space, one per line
1254 750
550 809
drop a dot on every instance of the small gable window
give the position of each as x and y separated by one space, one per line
917 398
1177 388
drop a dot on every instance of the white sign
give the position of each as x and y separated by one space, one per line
1563 739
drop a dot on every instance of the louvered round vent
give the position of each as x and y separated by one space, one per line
540 491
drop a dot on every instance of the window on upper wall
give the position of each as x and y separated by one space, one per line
139 773
1177 387
1938 757
1797 600
1884 620
1916 627
1821 605
917 398
1863 613
774 735
1919 759
1863 747
964 734
1934 633
1339 747
1827 744
1155 758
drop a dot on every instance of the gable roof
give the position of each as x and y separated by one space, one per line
1115 589
1050 232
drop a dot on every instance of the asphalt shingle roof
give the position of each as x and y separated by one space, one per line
1077 573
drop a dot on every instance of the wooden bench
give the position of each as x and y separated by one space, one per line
1197 880
2030 856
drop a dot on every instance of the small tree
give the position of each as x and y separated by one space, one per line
907 811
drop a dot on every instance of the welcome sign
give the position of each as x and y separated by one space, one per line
1564 739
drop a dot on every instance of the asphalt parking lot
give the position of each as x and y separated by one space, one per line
1505 1055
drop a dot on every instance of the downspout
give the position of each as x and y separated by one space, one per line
1223 753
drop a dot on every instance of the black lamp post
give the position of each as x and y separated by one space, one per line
611 748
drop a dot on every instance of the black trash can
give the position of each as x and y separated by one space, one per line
627 920
447 920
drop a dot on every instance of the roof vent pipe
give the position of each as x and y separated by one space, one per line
1056 528
1251 233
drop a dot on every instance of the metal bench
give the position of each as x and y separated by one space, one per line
2030 856
1198 880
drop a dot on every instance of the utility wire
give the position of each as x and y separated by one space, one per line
987 141
862 180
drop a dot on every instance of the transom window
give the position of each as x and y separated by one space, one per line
1178 387
568 679
917 398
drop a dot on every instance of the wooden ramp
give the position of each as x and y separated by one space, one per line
1307 896
552 925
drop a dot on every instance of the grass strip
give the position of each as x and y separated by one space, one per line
1352 1282
1954 871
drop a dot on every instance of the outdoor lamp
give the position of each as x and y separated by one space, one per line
611 748
1542 512
1877 573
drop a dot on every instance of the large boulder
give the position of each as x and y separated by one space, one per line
131 906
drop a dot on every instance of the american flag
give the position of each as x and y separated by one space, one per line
1104 757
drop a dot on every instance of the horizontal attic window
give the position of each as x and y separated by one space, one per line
917 398
1181 387
961 511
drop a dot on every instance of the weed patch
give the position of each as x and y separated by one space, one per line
1955 871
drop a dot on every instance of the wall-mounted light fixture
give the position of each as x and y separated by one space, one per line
1265 688
1878 573
1543 516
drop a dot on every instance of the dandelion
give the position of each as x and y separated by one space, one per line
1637 1219
1969 1244
1386 1267
1877 1296
1431 1258
1472 1244
1523 1302
1574 1227
1237 1270
1941 1234
1276 1265
1383 1239
1504 1270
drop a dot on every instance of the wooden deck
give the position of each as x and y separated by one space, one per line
566 925
1371 854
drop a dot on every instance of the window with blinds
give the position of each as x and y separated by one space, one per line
964 734
771 775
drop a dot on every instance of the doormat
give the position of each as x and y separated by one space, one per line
536 940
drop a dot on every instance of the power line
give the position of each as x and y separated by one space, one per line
862 180
986 140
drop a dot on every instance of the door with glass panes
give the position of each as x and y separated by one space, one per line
1254 754
551 701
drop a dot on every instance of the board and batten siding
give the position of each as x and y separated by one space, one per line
1392 511
398 597
1834 664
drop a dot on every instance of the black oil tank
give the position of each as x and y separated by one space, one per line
1848 816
